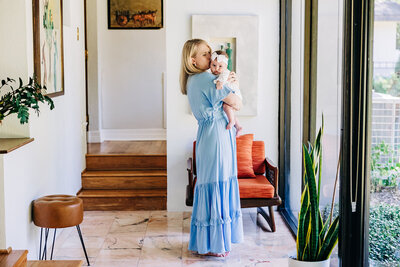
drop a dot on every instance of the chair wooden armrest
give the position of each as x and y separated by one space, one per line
272 173
190 171
189 187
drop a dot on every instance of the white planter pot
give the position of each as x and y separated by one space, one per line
296 263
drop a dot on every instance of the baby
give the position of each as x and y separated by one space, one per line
219 66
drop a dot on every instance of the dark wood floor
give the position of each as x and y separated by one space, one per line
157 147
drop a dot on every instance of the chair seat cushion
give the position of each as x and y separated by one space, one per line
258 187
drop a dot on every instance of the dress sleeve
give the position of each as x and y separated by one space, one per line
214 96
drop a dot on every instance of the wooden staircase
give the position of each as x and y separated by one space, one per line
126 178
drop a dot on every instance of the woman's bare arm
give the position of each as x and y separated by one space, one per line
234 101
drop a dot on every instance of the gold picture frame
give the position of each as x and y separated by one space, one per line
135 14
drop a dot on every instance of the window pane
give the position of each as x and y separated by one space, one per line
296 122
384 221
329 89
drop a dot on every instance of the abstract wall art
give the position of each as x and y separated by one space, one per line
48 45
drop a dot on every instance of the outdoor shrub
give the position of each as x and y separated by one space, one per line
384 234
327 210
385 171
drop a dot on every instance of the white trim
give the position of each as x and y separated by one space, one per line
94 137
133 134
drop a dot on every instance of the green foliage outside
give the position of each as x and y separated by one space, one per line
384 173
19 98
389 84
384 234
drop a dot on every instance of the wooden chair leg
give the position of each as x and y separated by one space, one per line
271 214
269 218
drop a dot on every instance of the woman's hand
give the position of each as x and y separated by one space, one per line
232 77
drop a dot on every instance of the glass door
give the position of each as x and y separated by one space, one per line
384 202
328 102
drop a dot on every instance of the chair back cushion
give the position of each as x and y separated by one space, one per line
258 157
247 157
244 153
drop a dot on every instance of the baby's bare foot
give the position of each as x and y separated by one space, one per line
230 125
238 130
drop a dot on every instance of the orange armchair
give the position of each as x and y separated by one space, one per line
259 192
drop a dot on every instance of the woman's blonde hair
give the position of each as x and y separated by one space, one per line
189 51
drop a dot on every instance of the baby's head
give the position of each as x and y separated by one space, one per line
219 62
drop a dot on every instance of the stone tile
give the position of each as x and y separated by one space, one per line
130 263
160 262
73 241
160 238
163 214
126 223
76 254
96 226
167 248
123 241
203 263
123 255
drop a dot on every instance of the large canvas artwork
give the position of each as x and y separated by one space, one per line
135 14
48 45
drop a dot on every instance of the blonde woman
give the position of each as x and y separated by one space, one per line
216 217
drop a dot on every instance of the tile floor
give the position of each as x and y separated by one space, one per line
160 238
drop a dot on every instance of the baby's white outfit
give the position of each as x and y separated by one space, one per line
223 78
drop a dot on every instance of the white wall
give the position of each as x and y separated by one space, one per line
94 97
53 162
130 68
385 41
13 58
181 124
385 53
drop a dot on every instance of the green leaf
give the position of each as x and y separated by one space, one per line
330 241
23 114
301 233
20 83
314 203
324 229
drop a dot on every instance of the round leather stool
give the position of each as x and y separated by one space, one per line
57 211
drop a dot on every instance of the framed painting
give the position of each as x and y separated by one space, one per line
48 45
237 35
135 14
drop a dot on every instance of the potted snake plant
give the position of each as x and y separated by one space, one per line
316 239
17 97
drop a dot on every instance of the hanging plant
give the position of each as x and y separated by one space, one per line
20 98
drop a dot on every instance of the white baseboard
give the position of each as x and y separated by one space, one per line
126 134
94 137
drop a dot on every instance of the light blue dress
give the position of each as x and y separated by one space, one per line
216 217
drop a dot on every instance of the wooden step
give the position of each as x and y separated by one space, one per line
155 199
16 258
59 263
125 162
143 179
